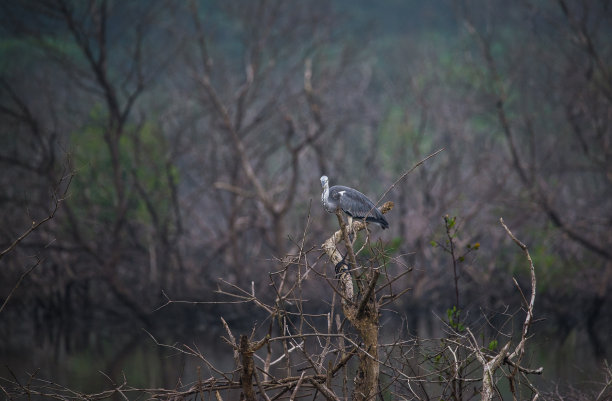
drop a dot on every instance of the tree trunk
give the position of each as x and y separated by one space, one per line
246 374
362 312
366 381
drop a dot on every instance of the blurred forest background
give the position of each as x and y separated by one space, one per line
174 143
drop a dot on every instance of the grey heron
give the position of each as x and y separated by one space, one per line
352 202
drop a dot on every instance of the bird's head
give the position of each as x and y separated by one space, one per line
324 181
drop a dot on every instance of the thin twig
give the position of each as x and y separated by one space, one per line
406 174
10 294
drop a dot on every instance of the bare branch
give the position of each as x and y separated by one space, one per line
57 200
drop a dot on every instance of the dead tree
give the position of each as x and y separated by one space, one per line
362 311
507 355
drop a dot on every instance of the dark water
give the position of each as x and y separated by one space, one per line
568 362
135 357
95 361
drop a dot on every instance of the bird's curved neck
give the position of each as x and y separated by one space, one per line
325 195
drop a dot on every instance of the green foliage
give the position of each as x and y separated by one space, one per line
450 221
150 168
453 314
145 177
93 182
492 345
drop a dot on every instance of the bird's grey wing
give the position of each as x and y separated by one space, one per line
355 203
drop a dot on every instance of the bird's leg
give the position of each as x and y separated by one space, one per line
342 266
